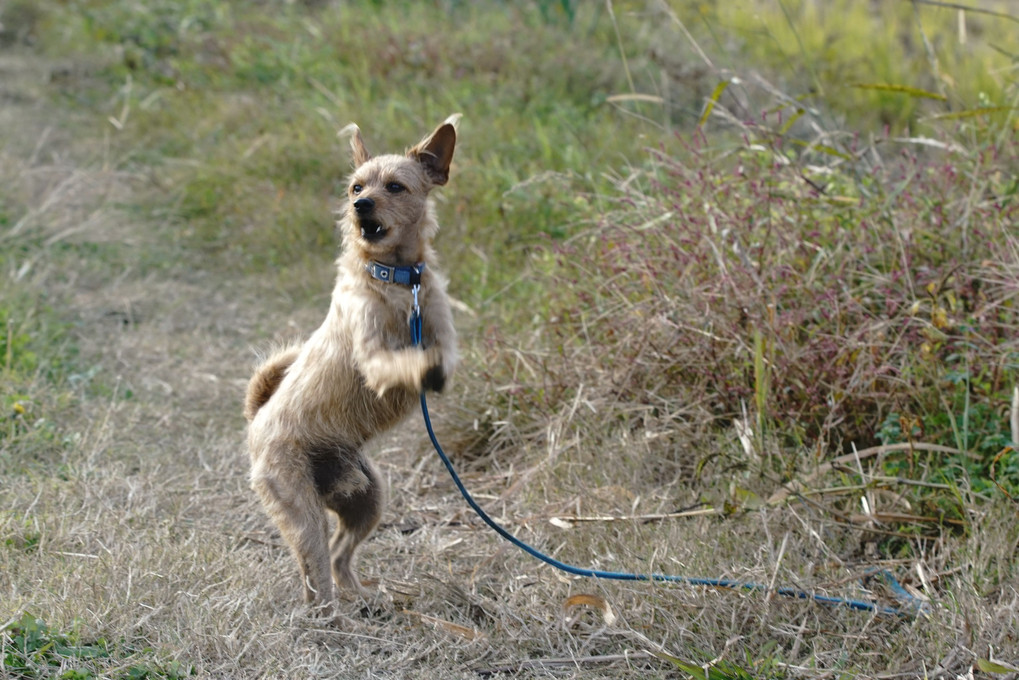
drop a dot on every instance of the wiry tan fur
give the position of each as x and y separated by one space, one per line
313 408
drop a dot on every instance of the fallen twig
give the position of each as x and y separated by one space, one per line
565 522
448 626
902 518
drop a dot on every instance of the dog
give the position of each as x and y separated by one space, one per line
313 408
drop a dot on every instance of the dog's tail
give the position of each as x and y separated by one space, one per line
267 378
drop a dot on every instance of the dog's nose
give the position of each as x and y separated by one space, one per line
363 206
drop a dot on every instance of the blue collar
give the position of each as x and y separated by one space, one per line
406 276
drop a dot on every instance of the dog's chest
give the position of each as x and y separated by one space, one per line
325 384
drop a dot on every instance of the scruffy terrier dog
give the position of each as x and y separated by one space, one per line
312 408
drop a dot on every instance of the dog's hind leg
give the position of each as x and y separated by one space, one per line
357 498
293 504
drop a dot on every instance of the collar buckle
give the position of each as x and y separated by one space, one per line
405 276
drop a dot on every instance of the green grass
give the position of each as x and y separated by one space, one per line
664 218
250 105
40 380
32 650
902 67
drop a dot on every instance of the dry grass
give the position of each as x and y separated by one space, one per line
132 522
148 535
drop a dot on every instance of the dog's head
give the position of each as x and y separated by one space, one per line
388 216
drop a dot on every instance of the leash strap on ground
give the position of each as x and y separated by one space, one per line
911 607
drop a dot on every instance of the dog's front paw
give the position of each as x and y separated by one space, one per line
435 379
433 376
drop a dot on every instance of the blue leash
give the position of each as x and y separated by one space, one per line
912 606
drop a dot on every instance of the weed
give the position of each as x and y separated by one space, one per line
722 669
32 650
821 284
14 346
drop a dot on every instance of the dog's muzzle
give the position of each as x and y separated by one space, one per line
371 229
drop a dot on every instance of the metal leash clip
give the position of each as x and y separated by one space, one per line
415 317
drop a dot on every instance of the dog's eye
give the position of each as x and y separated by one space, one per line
395 187
356 189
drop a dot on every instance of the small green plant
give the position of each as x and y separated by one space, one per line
15 351
32 650
35 360
761 664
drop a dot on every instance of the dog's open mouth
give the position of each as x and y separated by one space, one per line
371 230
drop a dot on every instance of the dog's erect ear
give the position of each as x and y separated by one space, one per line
361 155
435 152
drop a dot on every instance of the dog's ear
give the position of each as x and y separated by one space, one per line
360 151
435 152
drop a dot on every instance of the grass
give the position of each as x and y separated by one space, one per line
36 651
742 278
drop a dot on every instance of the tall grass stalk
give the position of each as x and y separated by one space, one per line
762 384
